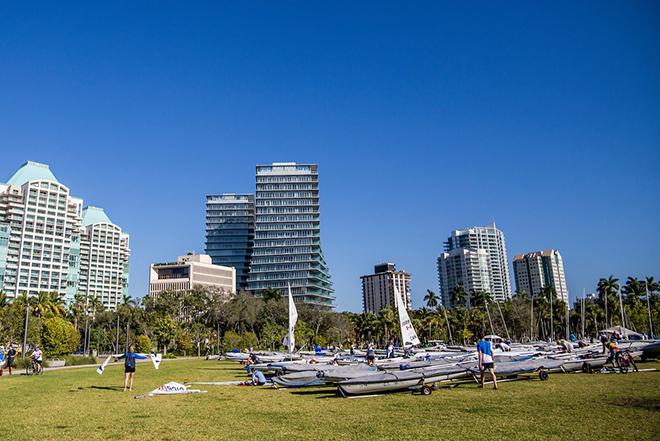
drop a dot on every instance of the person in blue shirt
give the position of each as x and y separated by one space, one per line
258 378
486 361
129 366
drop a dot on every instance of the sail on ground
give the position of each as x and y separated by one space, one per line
407 331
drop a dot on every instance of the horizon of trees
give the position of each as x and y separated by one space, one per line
202 321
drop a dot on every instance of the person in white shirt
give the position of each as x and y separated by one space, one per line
37 356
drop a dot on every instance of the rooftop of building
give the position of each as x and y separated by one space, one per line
32 171
95 215
191 258
546 253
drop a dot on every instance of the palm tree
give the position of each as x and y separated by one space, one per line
269 294
431 299
634 289
57 306
3 299
606 288
41 304
387 319
480 299
458 296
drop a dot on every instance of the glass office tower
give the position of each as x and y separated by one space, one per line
230 232
287 242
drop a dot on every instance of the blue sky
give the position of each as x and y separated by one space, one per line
423 117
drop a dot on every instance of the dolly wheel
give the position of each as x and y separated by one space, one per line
426 390
543 375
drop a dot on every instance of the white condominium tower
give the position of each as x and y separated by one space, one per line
46 245
538 270
378 288
475 258
104 255
465 267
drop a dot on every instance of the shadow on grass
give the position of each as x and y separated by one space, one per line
639 403
330 393
112 388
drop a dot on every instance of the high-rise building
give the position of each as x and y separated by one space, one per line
538 270
230 232
104 251
471 240
190 271
378 288
465 267
287 241
46 246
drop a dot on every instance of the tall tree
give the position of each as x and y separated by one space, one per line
271 295
606 289
431 299
458 296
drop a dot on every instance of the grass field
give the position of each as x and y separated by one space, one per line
79 404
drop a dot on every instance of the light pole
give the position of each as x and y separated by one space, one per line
27 319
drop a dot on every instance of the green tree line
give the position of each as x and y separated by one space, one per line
201 321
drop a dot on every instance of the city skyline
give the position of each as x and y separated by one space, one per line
421 123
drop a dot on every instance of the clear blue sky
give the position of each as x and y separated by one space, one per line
423 116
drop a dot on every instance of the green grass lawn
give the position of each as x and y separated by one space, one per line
79 404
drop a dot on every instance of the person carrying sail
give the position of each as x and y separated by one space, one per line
129 366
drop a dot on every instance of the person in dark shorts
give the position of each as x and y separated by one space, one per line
371 354
129 366
486 361
11 355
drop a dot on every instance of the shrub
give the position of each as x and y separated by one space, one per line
249 340
183 342
231 340
143 344
59 337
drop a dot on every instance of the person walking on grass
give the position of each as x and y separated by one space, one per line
486 361
129 366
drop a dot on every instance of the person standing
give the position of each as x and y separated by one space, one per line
2 359
129 366
371 354
11 355
486 361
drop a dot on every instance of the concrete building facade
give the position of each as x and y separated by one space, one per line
378 288
537 270
466 267
467 253
190 271
46 246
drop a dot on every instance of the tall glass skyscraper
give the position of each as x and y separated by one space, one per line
287 242
230 232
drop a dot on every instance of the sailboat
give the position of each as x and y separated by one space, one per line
408 333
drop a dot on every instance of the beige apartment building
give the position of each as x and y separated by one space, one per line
378 288
190 271
540 269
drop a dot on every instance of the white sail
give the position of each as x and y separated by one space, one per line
407 331
293 318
